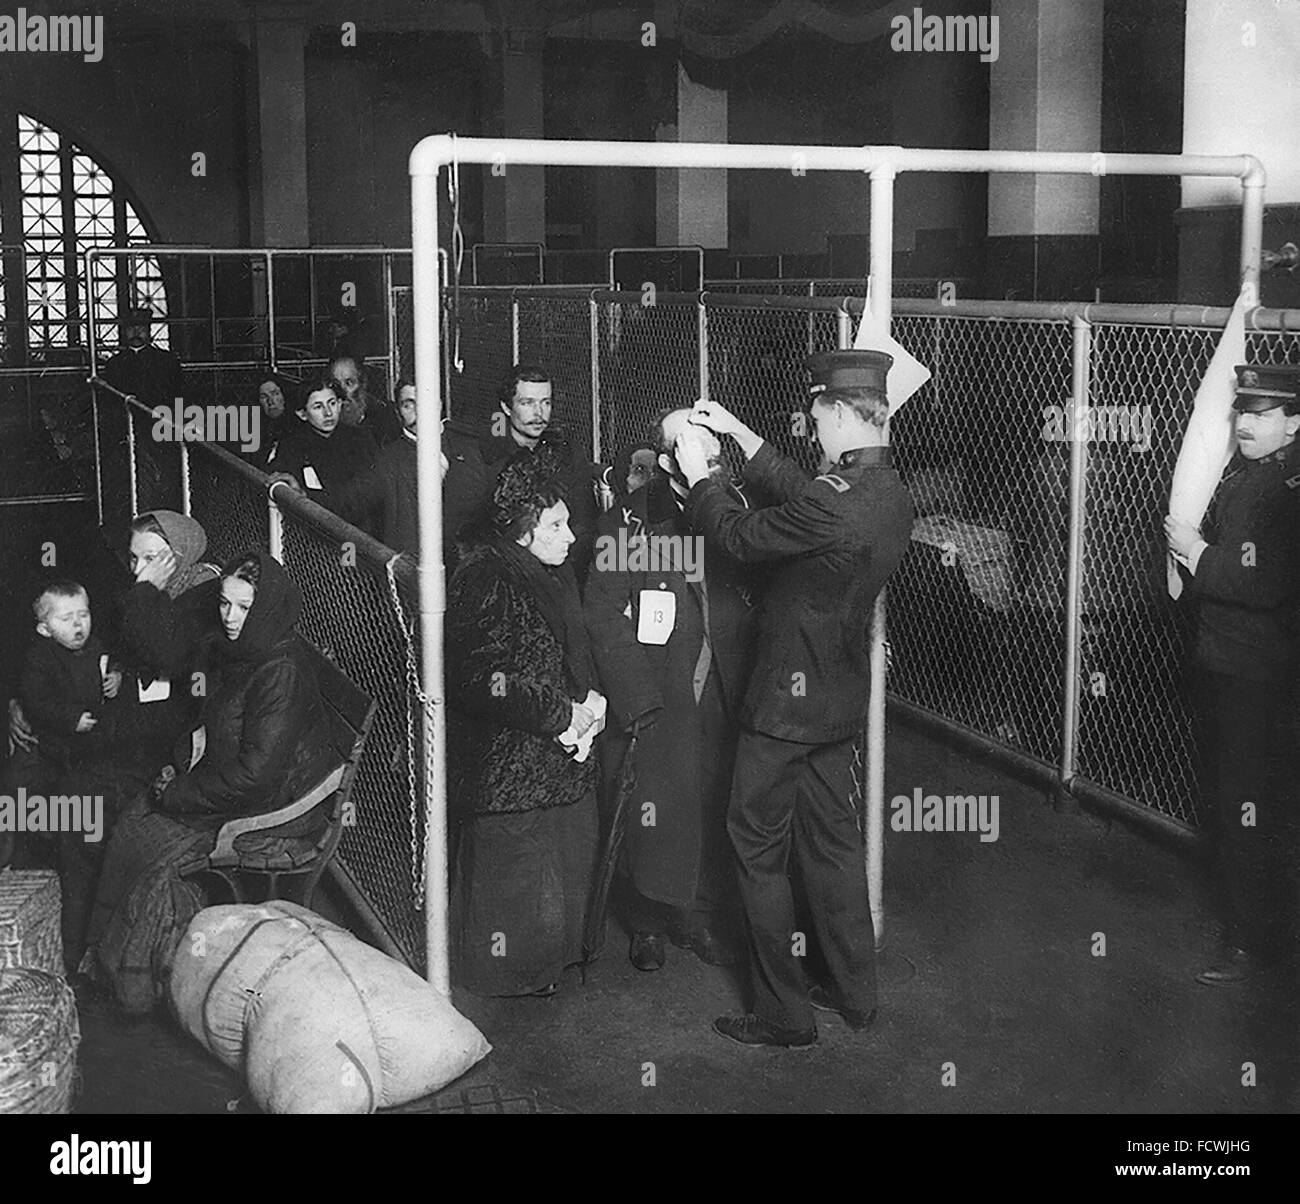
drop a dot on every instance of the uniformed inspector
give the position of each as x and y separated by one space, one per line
832 543
1244 567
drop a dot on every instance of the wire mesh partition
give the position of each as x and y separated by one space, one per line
348 613
978 621
978 613
556 331
968 640
648 358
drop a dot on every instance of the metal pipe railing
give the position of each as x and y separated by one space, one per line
1080 391
438 151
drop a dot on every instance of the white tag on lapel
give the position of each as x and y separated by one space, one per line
658 613
158 690
198 745
309 478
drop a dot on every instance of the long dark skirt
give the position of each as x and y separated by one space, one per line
519 896
143 906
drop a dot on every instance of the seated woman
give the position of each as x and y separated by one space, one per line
273 392
162 622
519 684
320 453
261 741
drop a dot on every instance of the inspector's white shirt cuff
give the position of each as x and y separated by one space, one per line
1193 558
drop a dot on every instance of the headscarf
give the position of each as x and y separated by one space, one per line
188 541
277 605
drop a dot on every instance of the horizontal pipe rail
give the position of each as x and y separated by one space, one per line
438 150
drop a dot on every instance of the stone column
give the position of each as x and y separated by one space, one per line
691 205
1044 94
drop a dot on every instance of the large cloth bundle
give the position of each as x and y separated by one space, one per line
319 1021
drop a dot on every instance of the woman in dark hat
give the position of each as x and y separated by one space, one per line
261 741
520 687
274 415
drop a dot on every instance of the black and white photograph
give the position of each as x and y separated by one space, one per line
641 558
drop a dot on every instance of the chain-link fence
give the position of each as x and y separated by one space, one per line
978 615
349 613
979 609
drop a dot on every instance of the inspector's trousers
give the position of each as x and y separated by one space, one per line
794 799
1247 737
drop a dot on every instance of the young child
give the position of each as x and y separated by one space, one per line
65 681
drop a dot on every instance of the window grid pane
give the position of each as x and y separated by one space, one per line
45 187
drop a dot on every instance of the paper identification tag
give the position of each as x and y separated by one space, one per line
309 477
158 690
658 613
198 745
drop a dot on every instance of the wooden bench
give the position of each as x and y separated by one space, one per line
350 712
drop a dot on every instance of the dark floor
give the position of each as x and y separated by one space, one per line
1005 988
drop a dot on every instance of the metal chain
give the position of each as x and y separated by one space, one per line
419 849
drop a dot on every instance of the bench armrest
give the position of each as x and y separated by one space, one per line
224 852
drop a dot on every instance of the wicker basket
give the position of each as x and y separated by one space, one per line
39 1035
30 916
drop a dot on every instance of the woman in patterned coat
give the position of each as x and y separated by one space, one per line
523 780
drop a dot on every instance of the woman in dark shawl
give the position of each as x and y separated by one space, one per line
520 688
261 741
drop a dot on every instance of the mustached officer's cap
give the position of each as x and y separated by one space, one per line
1263 387
848 370
137 315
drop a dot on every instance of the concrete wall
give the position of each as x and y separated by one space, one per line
142 112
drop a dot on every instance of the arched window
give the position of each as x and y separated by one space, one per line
70 204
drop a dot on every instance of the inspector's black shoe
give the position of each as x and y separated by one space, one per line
710 947
1236 966
646 951
859 1022
753 1030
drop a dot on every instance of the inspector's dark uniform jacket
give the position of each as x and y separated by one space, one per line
838 537
1247 582
691 696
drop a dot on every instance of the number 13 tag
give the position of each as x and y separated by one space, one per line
658 613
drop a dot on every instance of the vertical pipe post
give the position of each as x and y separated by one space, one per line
702 338
92 257
514 327
1080 362
594 314
186 503
426 303
1252 231
882 285
387 284
130 452
274 527
272 357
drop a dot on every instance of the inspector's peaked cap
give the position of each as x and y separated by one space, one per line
1263 387
848 370
137 315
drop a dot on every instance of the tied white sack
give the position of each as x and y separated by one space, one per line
1210 439
318 1020
906 373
